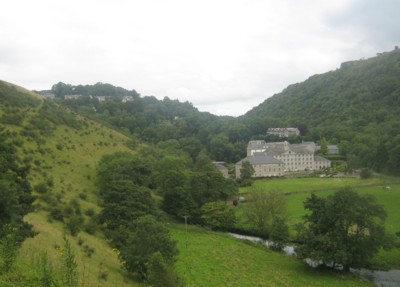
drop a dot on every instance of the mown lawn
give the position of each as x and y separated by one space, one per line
308 183
217 259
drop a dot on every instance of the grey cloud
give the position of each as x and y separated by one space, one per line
376 20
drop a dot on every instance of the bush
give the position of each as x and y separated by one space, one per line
365 173
74 224
90 212
40 188
56 213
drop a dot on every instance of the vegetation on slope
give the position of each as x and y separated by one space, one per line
356 106
62 150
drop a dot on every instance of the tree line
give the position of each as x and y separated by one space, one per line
134 221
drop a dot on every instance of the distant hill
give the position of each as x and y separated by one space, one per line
356 106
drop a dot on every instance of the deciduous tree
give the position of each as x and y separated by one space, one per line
147 237
344 228
263 208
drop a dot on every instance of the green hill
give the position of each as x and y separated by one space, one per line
63 149
356 106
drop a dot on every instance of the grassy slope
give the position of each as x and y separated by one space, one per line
217 259
73 173
68 157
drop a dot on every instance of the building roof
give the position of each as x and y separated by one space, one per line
320 158
261 158
278 148
257 144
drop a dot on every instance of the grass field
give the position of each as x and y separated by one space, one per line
217 259
389 198
309 183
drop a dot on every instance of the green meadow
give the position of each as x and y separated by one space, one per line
389 198
216 259
310 183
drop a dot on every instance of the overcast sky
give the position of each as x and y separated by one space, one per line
224 56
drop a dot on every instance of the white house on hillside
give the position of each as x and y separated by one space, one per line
283 132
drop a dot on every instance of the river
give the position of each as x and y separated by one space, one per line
389 278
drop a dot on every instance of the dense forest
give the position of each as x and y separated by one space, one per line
356 107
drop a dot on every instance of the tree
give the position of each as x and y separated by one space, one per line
246 172
344 228
263 208
218 215
279 233
124 202
147 237
324 146
161 274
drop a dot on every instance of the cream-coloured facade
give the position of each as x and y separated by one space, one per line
288 157
283 132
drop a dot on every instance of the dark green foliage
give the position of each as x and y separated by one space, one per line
160 274
8 250
185 190
324 146
218 215
56 213
74 224
15 192
344 228
41 188
246 173
123 179
263 209
123 166
147 237
365 173
279 233
123 202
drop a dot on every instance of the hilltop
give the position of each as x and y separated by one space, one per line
356 106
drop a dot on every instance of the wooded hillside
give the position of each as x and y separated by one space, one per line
356 106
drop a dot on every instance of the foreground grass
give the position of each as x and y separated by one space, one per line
217 259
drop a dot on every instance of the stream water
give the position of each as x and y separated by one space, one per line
389 278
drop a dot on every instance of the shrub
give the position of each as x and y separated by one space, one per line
40 188
74 224
365 173
56 213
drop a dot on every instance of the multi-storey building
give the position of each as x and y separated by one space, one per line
275 158
283 132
